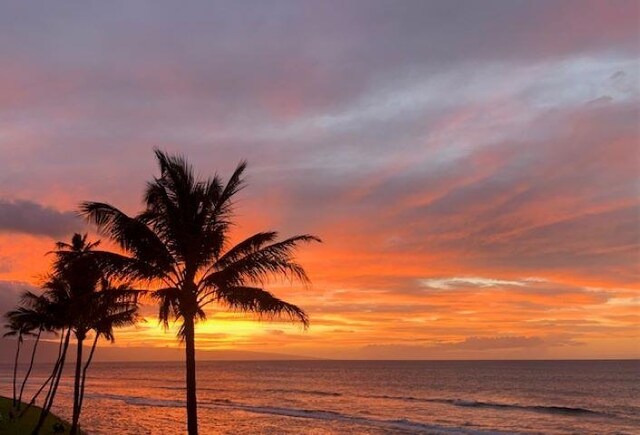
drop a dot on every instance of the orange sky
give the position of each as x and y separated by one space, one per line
476 185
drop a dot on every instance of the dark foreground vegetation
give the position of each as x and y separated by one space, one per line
12 423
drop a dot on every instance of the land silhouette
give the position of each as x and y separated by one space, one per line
175 251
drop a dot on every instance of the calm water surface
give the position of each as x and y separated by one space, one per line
368 397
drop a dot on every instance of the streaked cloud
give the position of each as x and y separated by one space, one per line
466 192
453 282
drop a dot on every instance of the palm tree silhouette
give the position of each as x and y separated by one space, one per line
179 244
56 293
109 307
81 299
33 314
17 327
92 303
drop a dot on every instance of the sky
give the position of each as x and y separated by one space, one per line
472 167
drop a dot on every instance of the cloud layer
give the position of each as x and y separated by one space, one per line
22 216
472 167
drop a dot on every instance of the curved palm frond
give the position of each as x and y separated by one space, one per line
235 184
259 265
169 304
260 303
131 234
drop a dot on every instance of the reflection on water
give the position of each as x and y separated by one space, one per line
369 397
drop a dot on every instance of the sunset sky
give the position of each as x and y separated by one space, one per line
472 167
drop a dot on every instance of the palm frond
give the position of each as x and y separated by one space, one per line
259 302
131 234
247 246
260 265
235 184
168 303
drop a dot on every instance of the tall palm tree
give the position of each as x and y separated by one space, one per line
79 298
92 303
66 288
179 245
56 288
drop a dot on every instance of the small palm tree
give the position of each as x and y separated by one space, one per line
45 315
179 244
34 314
18 328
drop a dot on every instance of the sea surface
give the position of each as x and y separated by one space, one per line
359 397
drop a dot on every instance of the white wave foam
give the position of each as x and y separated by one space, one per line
399 424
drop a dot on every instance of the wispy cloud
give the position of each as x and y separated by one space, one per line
484 189
455 282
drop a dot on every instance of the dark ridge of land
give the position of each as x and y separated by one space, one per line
11 424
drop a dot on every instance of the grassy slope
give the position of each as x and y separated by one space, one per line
28 421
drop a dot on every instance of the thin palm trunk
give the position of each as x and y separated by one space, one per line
56 368
45 383
15 369
76 388
192 401
26 377
35 396
55 382
84 371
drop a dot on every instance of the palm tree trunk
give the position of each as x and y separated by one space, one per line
15 369
84 370
45 383
54 386
76 388
26 377
35 396
56 367
192 401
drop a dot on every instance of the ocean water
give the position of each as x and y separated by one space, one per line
360 397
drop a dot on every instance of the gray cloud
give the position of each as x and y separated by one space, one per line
29 217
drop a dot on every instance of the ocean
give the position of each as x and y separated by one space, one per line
359 397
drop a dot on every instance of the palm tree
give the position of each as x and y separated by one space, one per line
80 298
179 245
57 291
66 289
34 314
109 307
18 328
114 307
91 302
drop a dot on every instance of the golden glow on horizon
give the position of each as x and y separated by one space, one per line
473 203
355 315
